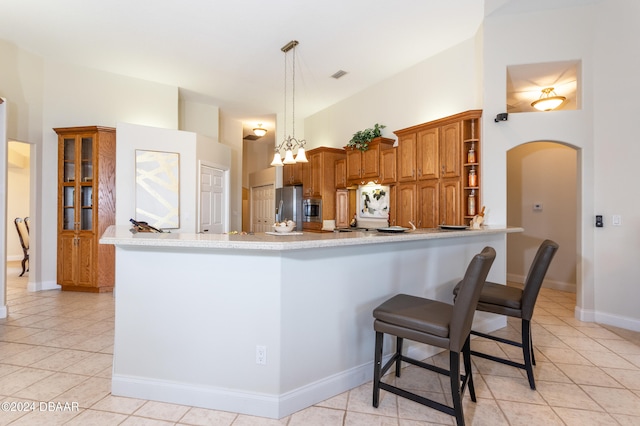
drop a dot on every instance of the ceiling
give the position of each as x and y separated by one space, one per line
227 53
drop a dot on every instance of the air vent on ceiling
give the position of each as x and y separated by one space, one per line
338 74
251 137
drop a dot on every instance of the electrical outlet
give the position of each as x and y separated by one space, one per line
261 355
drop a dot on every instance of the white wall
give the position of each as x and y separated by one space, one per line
191 147
437 87
616 91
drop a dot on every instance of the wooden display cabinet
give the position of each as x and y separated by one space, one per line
86 207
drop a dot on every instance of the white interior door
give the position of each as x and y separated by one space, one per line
263 204
212 200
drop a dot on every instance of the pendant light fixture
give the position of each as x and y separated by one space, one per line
548 100
290 142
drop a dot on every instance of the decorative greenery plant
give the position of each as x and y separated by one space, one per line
361 139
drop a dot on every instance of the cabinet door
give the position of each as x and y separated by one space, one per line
450 193
67 259
428 204
406 158
427 154
341 173
450 150
354 164
315 165
371 163
406 204
84 261
342 208
388 166
292 174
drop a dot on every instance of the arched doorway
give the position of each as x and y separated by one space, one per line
543 198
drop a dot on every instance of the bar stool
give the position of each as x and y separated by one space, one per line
517 303
434 323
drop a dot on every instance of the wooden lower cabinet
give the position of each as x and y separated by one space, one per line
429 203
450 202
406 204
76 273
342 208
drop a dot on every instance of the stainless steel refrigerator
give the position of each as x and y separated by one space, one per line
289 205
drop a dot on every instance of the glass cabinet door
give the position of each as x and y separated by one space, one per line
86 208
69 160
86 156
77 183
68 208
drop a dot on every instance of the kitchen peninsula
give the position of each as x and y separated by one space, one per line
269 324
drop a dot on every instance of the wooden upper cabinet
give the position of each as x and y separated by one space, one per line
450 150
388 166
364 166
428 153
371 162
315 174
292 174
354 164
341 173
406 157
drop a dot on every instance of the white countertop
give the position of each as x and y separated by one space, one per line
122 236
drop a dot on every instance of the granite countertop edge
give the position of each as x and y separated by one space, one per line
121 236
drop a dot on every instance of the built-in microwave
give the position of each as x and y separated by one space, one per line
312 210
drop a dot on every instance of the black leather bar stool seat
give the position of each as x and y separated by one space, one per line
434 323
517 303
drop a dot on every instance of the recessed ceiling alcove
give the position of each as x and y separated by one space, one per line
525 84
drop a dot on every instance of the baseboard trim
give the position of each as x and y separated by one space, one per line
250 403
3 311
554 285
42 286
608 319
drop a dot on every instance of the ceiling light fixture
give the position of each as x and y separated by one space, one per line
290 142
548 100
259 131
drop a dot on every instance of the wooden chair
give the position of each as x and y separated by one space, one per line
23 234
433 323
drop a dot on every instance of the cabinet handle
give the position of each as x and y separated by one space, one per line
419 172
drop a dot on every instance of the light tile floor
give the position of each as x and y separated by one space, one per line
57 347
